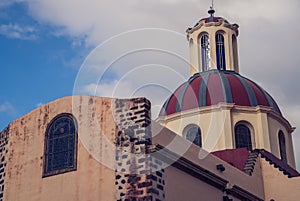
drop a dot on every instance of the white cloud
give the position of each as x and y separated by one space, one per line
8 108
6 3
104 18
145 62
39 104
16 31
268 41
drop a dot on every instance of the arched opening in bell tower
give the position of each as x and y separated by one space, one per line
220 51
205 51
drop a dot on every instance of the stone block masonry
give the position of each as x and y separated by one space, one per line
3 159
139 176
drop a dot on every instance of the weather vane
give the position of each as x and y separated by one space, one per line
211 10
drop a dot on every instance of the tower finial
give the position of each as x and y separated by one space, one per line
211 11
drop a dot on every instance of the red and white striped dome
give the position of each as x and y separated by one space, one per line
213 87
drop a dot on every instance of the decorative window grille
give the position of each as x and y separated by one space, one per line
194 135
60 154
243 137
220 51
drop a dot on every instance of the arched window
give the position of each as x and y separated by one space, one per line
193 134
60 154
235 51
205 52
243 137
282 146
220 52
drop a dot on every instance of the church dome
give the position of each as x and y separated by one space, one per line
214 86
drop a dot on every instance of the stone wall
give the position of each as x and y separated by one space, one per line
3 159
139 176
113 160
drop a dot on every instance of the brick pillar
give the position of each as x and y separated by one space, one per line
3 158
138 175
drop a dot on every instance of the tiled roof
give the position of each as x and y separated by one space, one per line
245 160
215 86
282 166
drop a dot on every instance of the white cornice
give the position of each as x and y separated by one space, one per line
227 106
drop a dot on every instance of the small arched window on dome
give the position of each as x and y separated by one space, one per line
193 134
282 146
60 153
243 137
220 52
205 52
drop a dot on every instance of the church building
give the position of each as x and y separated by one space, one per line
219 137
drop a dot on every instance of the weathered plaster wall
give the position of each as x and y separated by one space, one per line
193 188
91 181
116 159
178 181
277 185
113 160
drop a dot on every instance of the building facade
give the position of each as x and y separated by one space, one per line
220 136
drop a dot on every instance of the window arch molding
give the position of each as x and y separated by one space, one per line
220 31
282 146
192 133
244 135
220 50
204 50
60 145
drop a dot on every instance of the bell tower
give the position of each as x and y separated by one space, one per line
219 109
213 44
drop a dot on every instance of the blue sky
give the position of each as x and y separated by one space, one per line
44 43
37 65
